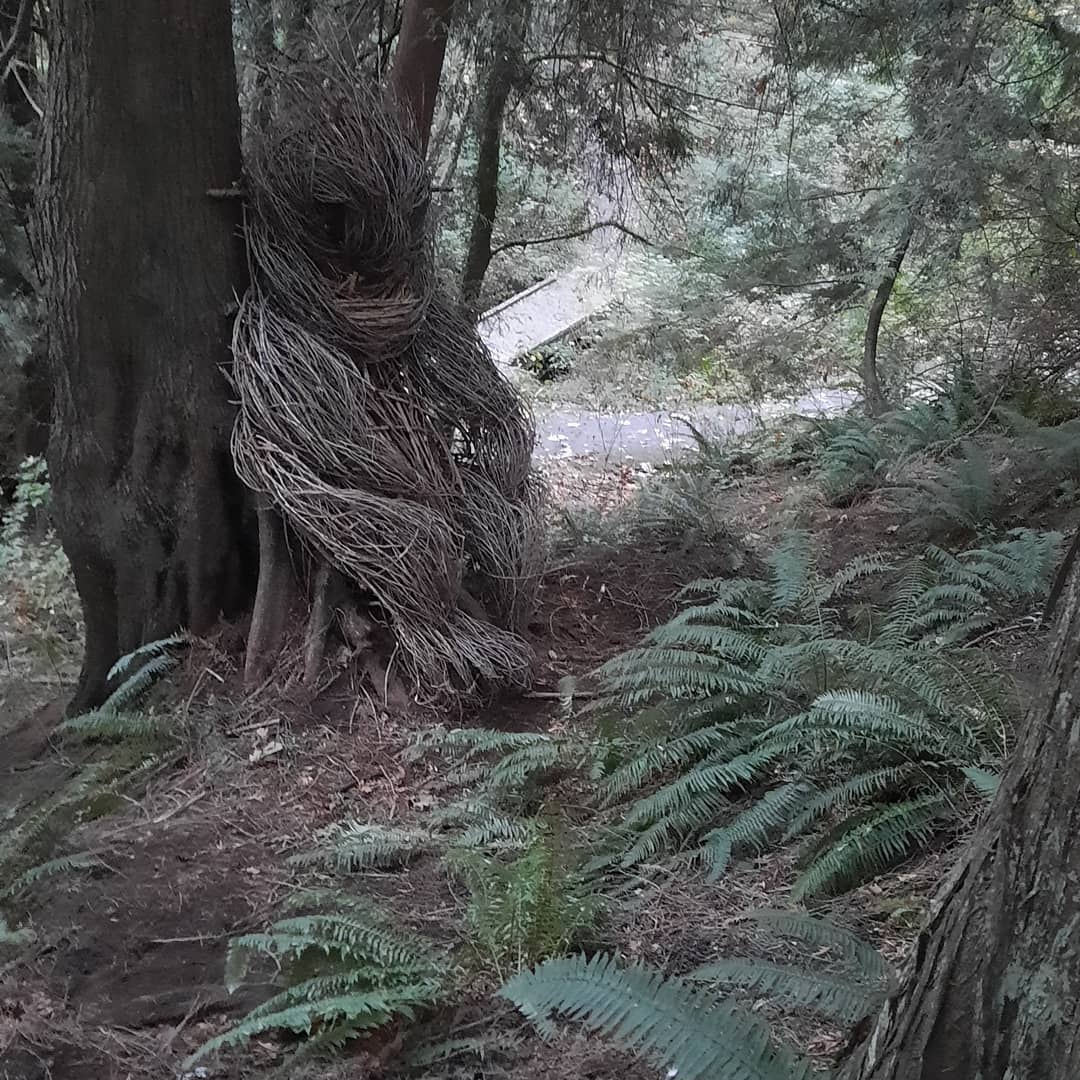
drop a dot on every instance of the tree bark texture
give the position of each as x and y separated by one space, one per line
142 268
996 983
418 61
507 56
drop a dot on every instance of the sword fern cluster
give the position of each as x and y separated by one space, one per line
856 723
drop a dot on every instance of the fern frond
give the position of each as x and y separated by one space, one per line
831 996
865 785
106 724
982 780
706 785
876 718
151 650
352 845
789 567
751 829
649 760
364 1012
64 864
870 965
868 844
138 684
857 569
679 1027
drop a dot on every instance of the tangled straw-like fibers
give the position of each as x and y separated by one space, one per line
369 411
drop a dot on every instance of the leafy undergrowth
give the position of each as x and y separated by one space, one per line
374 879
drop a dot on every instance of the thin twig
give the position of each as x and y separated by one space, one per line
554 238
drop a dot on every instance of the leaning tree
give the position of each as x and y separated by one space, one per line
996 983
397 458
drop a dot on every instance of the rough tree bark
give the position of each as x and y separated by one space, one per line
418 61
995 990
875 400
142 269
507 57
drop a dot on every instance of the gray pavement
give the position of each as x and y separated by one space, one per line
654 436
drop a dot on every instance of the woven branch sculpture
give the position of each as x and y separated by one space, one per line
370 414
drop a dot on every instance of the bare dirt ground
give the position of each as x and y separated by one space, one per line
126 979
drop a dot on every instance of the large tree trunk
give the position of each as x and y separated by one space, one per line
142 270
418 61
506 58
996 984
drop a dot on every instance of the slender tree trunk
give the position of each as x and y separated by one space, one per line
450 172
142 270
995 990
876 403
507 55
418 61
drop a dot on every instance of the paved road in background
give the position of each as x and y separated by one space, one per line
651 436
553 308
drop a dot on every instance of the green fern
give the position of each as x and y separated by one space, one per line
858 454
63 864
152 650
119 717
674 1024
853 460
352 845
831 996
96 790
529 907
983 781
821 934
345 972
767 676
866 844
960 494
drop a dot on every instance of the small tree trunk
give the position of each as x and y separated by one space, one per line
418 61
450 172
508 50
274 595
876 403
142 269
996 982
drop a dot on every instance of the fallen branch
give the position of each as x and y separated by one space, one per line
586 231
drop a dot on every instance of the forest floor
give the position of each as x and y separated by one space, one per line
125 975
